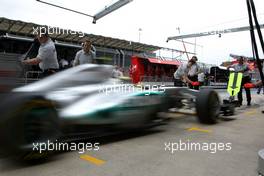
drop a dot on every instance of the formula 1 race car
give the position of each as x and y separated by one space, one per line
87 101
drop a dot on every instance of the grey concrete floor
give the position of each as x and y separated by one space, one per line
144 154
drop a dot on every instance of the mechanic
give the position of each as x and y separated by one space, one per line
258 83
85 55
47 55
117 73
243 67
193 73
181 74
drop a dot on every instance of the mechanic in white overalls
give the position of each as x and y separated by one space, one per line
181 75
47 55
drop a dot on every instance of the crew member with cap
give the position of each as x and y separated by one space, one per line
243 67
117 72
85 55
181 74
47 55
258 83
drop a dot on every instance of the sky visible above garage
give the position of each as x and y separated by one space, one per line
151 22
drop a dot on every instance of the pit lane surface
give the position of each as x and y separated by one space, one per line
144 154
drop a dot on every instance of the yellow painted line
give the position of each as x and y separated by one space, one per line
199 130
93 160
252 112
174 115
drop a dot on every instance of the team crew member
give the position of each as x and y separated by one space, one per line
117 72
47 56
181 74
86 55
193 72
259 83
243 67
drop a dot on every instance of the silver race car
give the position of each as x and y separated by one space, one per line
85 101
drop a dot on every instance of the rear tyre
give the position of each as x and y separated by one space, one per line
207 106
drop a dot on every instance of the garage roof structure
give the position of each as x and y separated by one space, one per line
26 30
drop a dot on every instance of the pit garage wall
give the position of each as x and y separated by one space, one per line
10 72
110 56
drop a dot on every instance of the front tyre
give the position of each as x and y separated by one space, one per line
31 119
207 106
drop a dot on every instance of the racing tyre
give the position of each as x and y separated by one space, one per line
33 120
207 106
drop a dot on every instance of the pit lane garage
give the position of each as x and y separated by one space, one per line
137 169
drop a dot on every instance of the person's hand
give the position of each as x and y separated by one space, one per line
25 61
249 85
